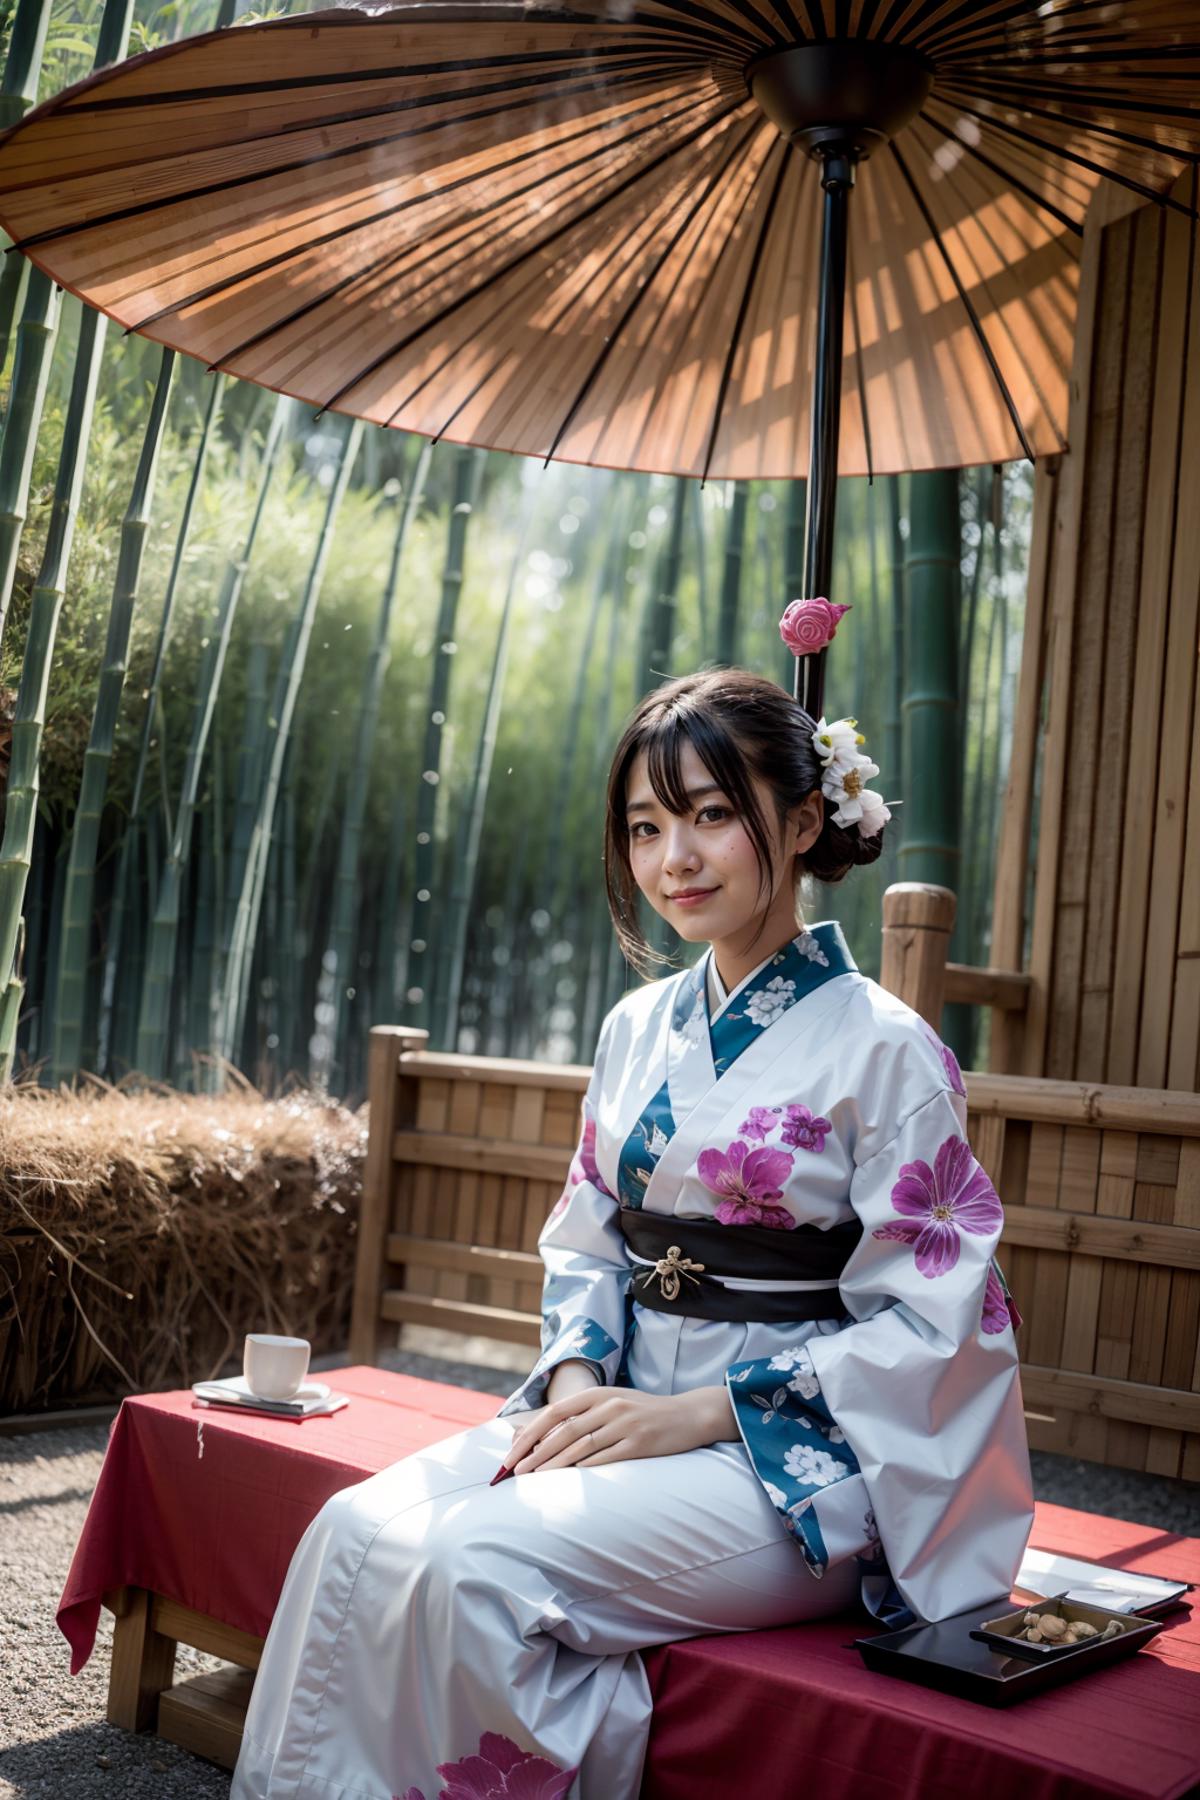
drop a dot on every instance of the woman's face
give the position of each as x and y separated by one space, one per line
700 870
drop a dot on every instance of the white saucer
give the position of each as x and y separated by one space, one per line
238 1385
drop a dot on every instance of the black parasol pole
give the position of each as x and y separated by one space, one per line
836 101
837 179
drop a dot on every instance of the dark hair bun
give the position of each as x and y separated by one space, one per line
839 848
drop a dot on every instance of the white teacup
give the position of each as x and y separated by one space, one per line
275 1367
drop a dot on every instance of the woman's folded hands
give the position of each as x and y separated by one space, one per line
610 1424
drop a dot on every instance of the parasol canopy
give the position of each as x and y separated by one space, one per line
595 232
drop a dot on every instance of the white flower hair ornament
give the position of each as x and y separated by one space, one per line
806 628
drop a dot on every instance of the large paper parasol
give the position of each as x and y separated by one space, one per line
623 232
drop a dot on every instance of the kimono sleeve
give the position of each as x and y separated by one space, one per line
587 1269
900 1437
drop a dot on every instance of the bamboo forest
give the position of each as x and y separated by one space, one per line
306 723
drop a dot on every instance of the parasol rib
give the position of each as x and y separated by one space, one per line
572 300
647 225
970 212
1082 162
1120 53
970 23
743 308
532 250
1013 95
657 122
976 322
1100 130
860 374
143 208
687 9
393 258
634 75
254 90
1007 176
735 152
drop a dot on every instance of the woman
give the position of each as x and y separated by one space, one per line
778 1372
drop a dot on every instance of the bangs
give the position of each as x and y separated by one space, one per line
663 740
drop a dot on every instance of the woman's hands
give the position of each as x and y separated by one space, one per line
607 1424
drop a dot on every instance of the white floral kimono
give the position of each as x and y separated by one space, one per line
434 1629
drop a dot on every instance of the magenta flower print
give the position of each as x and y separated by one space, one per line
583 1168
748 1181
760 1123
805 1130
955 1195
949 1061
500 1770
995 1306
999 1307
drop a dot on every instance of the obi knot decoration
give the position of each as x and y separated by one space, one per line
670 1267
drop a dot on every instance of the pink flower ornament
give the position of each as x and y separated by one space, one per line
808 625
748 1181
939 1203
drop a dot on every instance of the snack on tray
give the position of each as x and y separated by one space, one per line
1048 1628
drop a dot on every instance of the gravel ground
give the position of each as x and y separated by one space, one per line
54 1741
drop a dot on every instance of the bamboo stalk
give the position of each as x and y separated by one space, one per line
463 885
204 924
155 1009
468 470
18 91
71 993
152 716
289 978
703 604
27 396
235 988
44 610
731 574
338 960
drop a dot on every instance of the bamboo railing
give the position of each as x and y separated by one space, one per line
1100 1185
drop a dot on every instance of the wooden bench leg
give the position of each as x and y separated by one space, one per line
143 1664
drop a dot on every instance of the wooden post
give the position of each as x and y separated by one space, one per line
374 1217
143 1662
918 918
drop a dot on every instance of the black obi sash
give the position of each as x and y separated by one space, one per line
688 1253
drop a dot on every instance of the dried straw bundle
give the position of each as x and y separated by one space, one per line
142 1234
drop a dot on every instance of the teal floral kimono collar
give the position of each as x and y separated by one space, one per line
704 1047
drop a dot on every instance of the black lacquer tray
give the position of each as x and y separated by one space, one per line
949 1656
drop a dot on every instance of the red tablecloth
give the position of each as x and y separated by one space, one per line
206 1508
